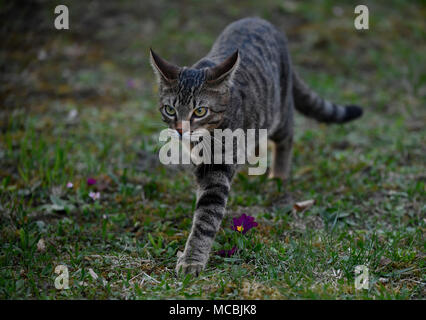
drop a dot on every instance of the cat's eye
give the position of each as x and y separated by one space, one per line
200 112
170 111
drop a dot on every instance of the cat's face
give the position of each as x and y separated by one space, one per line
194 98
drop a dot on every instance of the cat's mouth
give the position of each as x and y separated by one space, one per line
193 135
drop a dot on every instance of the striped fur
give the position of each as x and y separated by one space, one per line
312 105
214 182
247 82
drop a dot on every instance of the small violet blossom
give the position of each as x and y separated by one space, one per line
91 181
131 83
243 224
70 185
227 253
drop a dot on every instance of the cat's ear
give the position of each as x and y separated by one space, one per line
224 70
164 70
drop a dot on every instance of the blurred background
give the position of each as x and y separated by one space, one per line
81 104
99 68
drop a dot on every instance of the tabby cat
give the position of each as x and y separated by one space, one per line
245 81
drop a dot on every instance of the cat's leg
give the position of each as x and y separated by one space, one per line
282 139
214 183
282 149
281 159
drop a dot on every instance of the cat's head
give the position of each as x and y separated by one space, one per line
199 97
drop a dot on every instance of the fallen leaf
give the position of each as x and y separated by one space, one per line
303 205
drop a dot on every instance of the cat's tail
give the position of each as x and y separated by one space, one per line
312 105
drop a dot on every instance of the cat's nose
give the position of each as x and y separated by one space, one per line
179 127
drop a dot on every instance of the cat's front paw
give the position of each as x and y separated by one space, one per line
194 268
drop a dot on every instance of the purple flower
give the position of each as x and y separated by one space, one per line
227 253
70 185
131 83
243 224
91 181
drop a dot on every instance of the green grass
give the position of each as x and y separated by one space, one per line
367 177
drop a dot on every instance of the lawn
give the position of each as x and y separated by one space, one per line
81 104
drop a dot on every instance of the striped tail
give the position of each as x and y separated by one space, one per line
312 105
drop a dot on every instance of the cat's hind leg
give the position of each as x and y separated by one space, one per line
282 140
281 158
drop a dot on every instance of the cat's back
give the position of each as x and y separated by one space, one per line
253 36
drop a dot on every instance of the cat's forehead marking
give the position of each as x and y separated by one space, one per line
190 81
